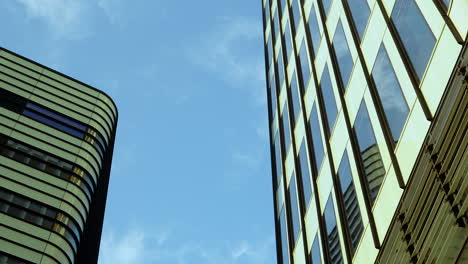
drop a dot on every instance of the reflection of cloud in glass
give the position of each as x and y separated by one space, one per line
345 61
360 12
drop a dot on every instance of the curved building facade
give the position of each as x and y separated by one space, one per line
56 143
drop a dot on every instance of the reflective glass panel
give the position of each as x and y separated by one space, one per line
343 55
296 13
288 41
316 137
370 153
282 5
328 98
418 39
269 50
305 175
389 90
326 5
315 251
47 121
272 84
286 129
360 12
267 12
351 205
305 68
333 238
292 190
280 68
295 97
314 29
447 3
278 160
284 237
276 25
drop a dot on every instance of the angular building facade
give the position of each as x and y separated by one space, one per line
368 125
56 143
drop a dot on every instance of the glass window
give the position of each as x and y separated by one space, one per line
288 43
333 238
282 5
270 50
296 12
326 5
316 138
447 3
286 129
280 68
11 101
57 116
305 175
267 12
328 98
343 55
389 90
305 69
295 97
360 12
315 251
351 205
284 237
292 190
314 29
418 39
272 84
276 25
278 160
370 154
47 121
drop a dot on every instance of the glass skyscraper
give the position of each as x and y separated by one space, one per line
368 121
56 142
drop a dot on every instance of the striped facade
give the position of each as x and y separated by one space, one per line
368 129
56 143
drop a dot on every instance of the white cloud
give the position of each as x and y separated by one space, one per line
128 249
64 17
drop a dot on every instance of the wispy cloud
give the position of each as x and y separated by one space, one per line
128 249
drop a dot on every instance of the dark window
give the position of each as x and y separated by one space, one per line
333 238
305 68
328 98
286 129
284 237
370 153
272 87
296 12
343 55
314 29
360 12
418 39
295 98
278 160
305 174
280 68
288 43
50 122
11 101
292 190
389 90
56 116
326 5
316 137
8 259
351 205
315 251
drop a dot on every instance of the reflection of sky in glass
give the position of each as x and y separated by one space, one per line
294 207
276 23
332 232
287 39
305 175
295 97
328 98
287 133
315 251
360 11
267 12
270 49
329 214
447 3
326 5
305 69
278 161
314 29
282 4
273 92
280 67
389 90
284 238
415 34
316 137
345 61
344 173
296 12
363 127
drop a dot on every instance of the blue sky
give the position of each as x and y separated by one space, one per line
191 179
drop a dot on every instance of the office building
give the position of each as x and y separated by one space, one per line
368 122
56 142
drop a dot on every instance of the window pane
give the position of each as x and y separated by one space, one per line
267 12
287 39
295 97
370 153
315 251
326 5
278 160
272 84
284 237
345 61
282 5
280 68
305 175
316 137
276 25
42 119
292 190
305 69
360 12
447 3
351 205
314 29
286 129
333 238
328 98
296 13
418 39
269 50
389 90
57 116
